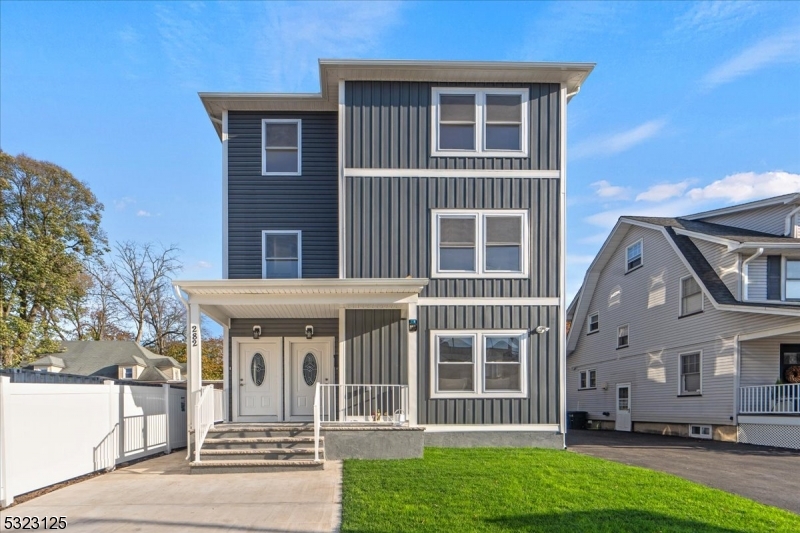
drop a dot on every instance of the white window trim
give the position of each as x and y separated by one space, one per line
479 362
700 435
589 330
264 123
640 242
264 234
480 122
480 218
680 300
784 277
681 392
629 336
588 381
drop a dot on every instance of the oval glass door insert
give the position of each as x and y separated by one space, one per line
310 369
258 369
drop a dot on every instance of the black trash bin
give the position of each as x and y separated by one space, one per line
577 419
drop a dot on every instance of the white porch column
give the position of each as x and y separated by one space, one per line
226 373
413 354
193 367
342 348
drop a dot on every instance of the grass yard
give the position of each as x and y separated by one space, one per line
490 489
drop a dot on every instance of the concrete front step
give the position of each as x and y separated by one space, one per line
242 467
259 454
234 443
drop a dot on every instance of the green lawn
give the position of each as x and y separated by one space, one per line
459 490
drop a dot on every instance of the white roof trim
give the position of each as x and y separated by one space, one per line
775 200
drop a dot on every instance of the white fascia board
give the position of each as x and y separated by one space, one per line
786 420
753 245
487 301
444 173
265 286
702 236
773 332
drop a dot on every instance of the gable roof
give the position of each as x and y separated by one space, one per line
710 229
49 360
102 358
785 199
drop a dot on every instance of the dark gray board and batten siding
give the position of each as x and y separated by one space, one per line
308 203
388 125
388 230
541 405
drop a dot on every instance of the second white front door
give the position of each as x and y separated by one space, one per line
308 363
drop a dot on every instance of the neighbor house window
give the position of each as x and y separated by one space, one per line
467 364
622 336
792 289
480 243
690 373
127 372
282 254
691 296
633 256
480 122
593 325
281 153
588 379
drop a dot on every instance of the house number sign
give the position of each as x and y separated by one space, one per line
195 336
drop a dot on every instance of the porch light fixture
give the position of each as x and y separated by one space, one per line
256 332
309 332
541 329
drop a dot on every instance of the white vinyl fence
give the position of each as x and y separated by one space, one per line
52 432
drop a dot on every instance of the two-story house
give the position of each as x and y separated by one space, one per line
393 252
691 326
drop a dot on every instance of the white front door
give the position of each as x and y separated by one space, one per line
308 362
623 421
260 379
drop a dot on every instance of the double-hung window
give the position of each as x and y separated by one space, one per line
691 366
633 256
281 152
622 336
593 325
471 364
491 122
485 243
792 288
588 379
691 296
282 254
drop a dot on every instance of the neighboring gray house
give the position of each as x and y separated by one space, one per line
396 238
691 326
110 359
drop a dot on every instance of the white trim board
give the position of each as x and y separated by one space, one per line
476 428
225 194
788 420
440 173
489 301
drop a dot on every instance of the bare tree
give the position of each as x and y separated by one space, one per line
143 275
166 319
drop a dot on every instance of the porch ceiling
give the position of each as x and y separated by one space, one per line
305 298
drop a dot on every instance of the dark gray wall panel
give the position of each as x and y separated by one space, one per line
541 405
388 230
388 125
375 347
308 202
284 327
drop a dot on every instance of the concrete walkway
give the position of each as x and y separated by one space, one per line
766 475
160 495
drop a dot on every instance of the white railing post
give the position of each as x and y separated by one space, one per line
165 386
198 403
316 422
6 494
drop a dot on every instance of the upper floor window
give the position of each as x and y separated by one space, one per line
488 243
622 336
792 287
691 296
480 122
593 325
691 373
281 149
633 256
127 372
282 254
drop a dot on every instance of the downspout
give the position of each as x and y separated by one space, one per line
180 297
737 363
787 226
746 280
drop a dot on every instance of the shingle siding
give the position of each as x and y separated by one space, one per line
388 125
308 203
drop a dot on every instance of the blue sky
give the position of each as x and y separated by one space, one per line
692 106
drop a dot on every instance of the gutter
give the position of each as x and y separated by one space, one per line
787 225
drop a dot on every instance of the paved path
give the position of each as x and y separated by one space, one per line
160 495
767 475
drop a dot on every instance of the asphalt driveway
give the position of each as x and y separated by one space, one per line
159 495
766 475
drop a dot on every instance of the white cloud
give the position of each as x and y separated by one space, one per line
747 186
203 264
781 48
710 17
663 191
143 213
610 192
619 142
124 202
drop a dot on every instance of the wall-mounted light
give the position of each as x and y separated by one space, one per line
541 329
256 332
412 324
309 332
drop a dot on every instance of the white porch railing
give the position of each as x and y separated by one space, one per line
770 399
219 405
203 417
364 403
317 420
